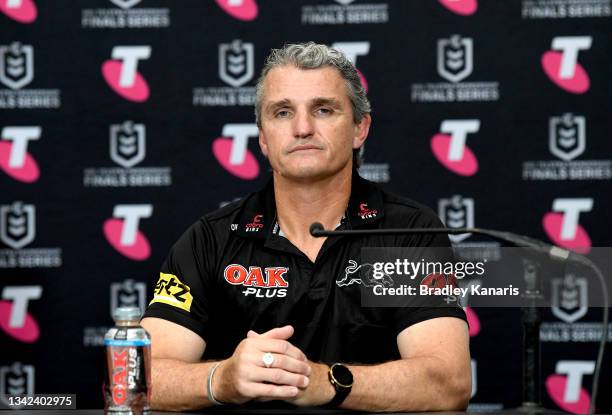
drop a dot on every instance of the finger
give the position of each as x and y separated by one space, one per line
252 333
264 392
282 333
280 347
287 363
278 377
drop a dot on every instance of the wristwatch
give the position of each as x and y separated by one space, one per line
341 379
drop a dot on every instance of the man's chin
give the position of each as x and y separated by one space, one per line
310 173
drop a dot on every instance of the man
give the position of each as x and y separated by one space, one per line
248 288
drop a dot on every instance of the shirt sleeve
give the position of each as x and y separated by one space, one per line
407 316
182 293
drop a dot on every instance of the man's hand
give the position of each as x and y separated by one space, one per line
319 390
244 376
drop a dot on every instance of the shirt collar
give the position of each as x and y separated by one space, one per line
258 216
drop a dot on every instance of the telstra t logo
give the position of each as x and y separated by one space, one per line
22 11
14 157
231 150
122 231
450 149
461 7
565 387
14 317
563 228
563 68
352 50
121 72
245 10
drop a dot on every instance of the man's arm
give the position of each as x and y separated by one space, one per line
434 373
179 378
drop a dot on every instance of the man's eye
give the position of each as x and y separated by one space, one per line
324 111
282 114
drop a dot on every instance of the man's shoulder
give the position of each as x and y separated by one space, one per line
402 209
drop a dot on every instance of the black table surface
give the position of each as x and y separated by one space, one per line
296 411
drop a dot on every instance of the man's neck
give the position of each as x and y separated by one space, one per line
299 204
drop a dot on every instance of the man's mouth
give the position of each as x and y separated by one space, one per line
304 147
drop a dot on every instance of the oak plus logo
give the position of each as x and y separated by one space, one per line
232 152
267 282
566 9
569 298
236 67
125 16
128 293
18 230
14 157
14 317
121 72
455 63
457 212
352 50
567 140
450 149
16 72
22 11
15 379
127 148
122 232
340 12
245 10
561 63
461 7
562 224
565 387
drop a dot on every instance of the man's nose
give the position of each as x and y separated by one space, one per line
303 125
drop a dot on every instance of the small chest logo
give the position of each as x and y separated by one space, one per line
365 212
260 282
255 225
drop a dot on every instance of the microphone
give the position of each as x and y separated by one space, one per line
318 230
551 251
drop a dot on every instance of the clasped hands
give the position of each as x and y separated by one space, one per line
268 367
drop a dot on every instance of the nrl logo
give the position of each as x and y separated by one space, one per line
457 212
17 379
455 58
127 143
17 224
16 65
125 4
569 298
128 293
236 65
566 136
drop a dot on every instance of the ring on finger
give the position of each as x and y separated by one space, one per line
267 359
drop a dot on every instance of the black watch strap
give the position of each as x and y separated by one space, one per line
342 386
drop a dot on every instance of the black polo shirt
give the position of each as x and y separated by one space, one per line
231 271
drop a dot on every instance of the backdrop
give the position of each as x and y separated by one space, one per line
123 121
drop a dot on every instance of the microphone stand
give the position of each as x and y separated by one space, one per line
531 314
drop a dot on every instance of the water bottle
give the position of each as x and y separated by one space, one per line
127 382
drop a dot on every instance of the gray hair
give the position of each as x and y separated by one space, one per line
312 55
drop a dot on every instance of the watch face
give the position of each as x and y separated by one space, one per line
342 375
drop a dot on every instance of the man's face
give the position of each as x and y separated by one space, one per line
307 128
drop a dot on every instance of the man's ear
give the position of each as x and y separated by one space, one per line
262 143
361 131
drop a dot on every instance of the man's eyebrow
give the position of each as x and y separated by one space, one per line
277 104
333 102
